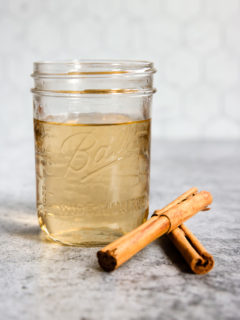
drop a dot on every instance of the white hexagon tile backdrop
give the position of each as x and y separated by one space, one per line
194 44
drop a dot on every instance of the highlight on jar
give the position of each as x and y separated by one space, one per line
92 126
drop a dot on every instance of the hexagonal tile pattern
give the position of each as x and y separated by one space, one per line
181 128
84 43
24 9
165 33
222 128
182 69
232 104
184 9
232 36
47 44
223 70
221 9
104 8
11 36
169 102
202 103
194 44
139 9
203 36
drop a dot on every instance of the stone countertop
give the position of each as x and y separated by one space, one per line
43 280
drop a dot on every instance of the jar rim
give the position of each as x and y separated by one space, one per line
80 67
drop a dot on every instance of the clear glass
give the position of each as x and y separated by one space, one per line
92 124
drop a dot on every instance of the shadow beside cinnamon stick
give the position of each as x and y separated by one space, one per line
197 257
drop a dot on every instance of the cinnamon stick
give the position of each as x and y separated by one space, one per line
197 257
163 221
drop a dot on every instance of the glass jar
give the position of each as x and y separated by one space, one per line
92 124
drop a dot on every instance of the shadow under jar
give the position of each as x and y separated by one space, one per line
92 124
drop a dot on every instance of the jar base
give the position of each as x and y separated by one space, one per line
84 237
78 234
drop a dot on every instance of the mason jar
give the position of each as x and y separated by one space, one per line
92 125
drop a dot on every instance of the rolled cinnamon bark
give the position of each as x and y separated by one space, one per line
197 257
186 195
162 221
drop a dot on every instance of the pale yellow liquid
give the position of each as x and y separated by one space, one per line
92 179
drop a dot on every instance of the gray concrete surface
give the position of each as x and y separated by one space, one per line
43 280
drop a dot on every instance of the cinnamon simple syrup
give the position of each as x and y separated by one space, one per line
92 176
